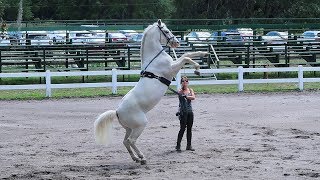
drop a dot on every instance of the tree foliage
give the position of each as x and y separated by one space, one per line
152 9
221 9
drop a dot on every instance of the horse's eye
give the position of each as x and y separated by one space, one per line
166 31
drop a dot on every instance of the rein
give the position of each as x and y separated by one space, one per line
154 58
168 40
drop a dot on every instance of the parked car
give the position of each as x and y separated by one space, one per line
275 37
98 38
128 33
310 37
117 37
80 37
198 36
246 34
58 37
16 37
37 38
136 40
311 34
137 37
229 37
5 42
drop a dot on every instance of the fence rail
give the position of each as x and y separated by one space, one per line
174 24
48 86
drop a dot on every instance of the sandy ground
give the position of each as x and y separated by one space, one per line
236 136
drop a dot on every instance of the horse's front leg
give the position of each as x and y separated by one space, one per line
177 65
195 54
187 58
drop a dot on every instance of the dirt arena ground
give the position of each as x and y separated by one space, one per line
236 136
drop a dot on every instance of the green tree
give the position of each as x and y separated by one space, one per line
221 9
12 8
153 9
3 7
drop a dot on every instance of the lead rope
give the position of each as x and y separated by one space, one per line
174 91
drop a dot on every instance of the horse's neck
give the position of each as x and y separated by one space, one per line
150 52
150 49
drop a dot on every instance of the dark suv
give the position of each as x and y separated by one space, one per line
228 37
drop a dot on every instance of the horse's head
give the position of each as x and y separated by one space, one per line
166 36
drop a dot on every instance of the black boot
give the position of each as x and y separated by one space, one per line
178 148
189 148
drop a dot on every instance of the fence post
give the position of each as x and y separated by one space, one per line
48 83
300 77
178 77
240 78
114 81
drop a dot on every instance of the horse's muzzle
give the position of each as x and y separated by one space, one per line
174 44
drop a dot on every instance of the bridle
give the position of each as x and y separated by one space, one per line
168 41
165 35
148 74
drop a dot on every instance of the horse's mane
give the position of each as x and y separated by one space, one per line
149 27
145 32
144 36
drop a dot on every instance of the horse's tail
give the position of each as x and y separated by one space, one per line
103 127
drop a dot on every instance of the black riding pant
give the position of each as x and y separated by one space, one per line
186 121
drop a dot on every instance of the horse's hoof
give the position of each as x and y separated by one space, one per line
143 162
197 73
203 54
137 160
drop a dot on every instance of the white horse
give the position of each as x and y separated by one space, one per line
158 71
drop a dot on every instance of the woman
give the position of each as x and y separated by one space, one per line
185 113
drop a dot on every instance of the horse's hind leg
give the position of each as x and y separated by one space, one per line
127 145
132 140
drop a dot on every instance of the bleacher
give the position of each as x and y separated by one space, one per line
68 57
255 54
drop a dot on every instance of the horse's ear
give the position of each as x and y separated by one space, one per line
159 22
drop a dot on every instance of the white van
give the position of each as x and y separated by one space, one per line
37 38
80 37
58 37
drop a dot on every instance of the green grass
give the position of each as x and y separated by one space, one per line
106 92
60 93
22 94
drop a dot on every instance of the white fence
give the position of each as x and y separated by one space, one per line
114 73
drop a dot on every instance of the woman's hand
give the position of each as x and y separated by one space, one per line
192 96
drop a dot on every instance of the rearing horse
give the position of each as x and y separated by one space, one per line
158 69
